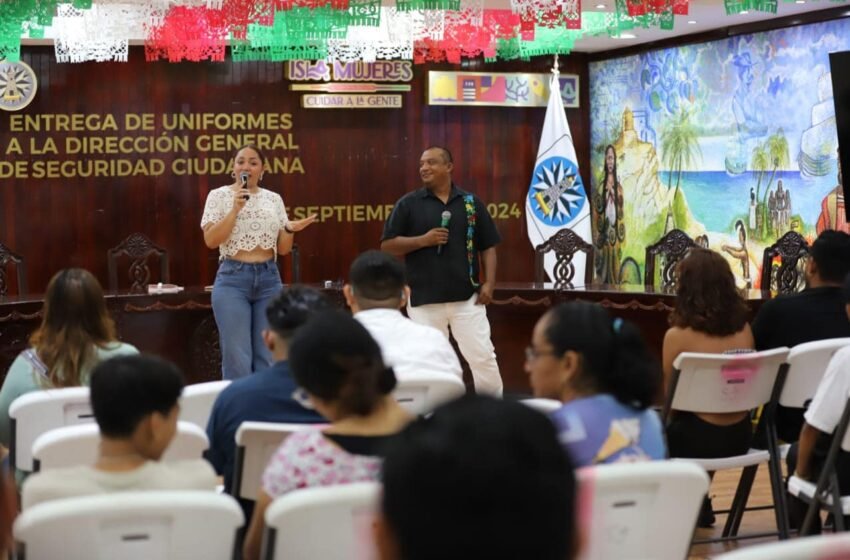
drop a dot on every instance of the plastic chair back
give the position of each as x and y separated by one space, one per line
328 523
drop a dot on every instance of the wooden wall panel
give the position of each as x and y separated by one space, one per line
349 157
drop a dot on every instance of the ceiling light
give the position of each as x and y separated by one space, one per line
601 6
692 21
626 36
745 12
800 2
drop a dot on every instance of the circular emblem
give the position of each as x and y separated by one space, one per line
17 85
556 194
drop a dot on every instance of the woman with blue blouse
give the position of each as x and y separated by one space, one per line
601 370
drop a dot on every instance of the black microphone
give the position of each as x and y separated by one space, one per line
445 217
244 177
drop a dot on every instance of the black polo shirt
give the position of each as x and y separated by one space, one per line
443 277
789 320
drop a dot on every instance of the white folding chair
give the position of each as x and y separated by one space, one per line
806 365
724 383
825 547
826 494
546 406
37 412
173 525
423 393
78 445
256 442
639 510
197 401
327 523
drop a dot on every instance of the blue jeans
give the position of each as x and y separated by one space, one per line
240 295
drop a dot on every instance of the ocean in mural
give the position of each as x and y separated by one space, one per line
733 140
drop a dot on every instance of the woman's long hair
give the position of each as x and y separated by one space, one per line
707 299
75 323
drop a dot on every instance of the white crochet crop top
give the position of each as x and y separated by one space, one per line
257 224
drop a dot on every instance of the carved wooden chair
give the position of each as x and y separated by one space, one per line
565 244
666 254
139 249
7 257
784 263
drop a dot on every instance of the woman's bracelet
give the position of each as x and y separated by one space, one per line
287 230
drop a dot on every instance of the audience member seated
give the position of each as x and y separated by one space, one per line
76 333
711 317
267 395
480 478
134 400
816 313
603 373
807 456
339 366
376 292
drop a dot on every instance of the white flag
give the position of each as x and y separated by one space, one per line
556 197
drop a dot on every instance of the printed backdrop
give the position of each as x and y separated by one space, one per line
732 141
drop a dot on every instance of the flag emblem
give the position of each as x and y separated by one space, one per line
556 194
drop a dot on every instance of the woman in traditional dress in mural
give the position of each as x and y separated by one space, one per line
611 232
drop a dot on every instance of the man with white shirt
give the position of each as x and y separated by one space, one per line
807 457
376 292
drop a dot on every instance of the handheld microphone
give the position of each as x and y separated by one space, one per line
244 177
445 217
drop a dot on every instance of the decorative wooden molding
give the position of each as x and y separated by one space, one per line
17 316
517 300
635 304
160 306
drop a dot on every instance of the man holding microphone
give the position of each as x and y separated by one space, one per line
446 237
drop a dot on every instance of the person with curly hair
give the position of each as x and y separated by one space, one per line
710 316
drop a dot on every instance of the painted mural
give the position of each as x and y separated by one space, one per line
732 141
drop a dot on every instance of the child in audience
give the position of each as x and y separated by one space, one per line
76 333
480 478
339 366
601 370
134 400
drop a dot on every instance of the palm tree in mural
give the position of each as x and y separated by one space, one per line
680 148
759 164
777 149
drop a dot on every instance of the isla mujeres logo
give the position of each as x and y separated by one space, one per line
17 85
556 195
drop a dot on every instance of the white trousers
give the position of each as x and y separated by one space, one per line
471 330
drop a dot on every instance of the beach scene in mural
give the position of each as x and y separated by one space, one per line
733 142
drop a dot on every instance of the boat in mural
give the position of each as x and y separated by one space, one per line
818 142
736 156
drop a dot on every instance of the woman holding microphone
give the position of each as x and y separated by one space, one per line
249 226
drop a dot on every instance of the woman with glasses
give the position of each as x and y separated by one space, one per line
601 370
339 366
